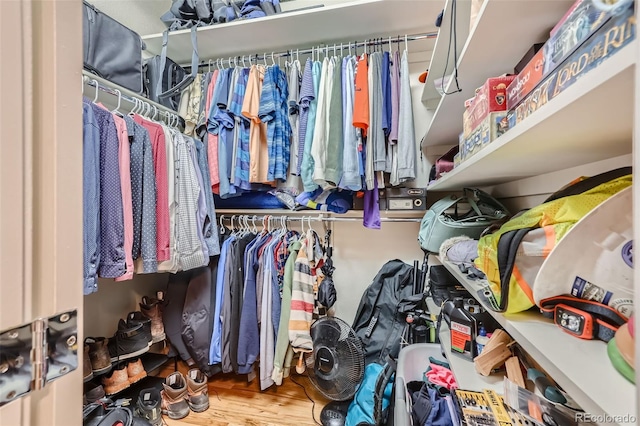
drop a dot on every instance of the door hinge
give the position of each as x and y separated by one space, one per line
37 353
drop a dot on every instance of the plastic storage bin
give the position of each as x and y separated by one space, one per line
412 363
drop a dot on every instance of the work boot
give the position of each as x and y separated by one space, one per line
152 308
148 406
98 355
174 396
94 394
137 318
135 371
198 391
87 370
128 342
117 380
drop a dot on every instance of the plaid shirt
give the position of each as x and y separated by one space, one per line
274 112
281 253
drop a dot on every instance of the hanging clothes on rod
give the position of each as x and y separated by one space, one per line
147 205
341 122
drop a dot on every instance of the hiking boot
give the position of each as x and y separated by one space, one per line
98 355
94 394
152 308
135 371
174 396
148 406
117 380
128 342
198 391
136 318
87 370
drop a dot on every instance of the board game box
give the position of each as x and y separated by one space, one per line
491 97
492 127
526 81
615 34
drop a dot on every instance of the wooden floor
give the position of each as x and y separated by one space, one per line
234 402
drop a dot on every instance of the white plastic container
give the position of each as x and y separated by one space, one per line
413 361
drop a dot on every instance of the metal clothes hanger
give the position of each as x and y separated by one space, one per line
406 44
209 63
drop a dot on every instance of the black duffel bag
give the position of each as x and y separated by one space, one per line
164 79
111 50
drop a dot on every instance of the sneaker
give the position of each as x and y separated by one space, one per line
128 342
117 380
98 355
148 406
87 370
136 318
152 308
135 371
198 391
174 396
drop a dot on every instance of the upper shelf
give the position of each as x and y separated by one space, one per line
443 49
580 367
332 23
569 131
502 34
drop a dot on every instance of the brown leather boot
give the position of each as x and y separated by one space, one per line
174 396
117 380
135 371
198 391
87 371
152 308
98 354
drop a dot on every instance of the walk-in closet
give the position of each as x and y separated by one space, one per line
332 212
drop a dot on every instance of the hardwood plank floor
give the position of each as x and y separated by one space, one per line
234 402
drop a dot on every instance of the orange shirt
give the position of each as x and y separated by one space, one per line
258 149
361 98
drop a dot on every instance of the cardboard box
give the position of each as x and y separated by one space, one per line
527 58
491 97
609 39
526 81
583 20
492 127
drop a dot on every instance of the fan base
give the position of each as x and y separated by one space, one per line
334 413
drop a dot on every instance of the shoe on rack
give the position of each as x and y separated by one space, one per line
137 318
174 396
117 380
128 342
135 371
148 406
198 391
94 394
152 308
87 370
98 355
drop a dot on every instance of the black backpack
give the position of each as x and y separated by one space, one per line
381 316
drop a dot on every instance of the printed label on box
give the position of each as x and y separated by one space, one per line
460 335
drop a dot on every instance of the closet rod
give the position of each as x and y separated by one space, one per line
317 218
126 95
377 41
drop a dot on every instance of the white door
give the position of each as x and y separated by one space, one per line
41 187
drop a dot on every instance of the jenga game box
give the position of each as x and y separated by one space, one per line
492 127
491 97
526 81
615 34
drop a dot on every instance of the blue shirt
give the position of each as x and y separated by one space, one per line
386 94
307 161
307 96
143 195
112 258
243 127
225 139
91 199
274 112
210 230
215 350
